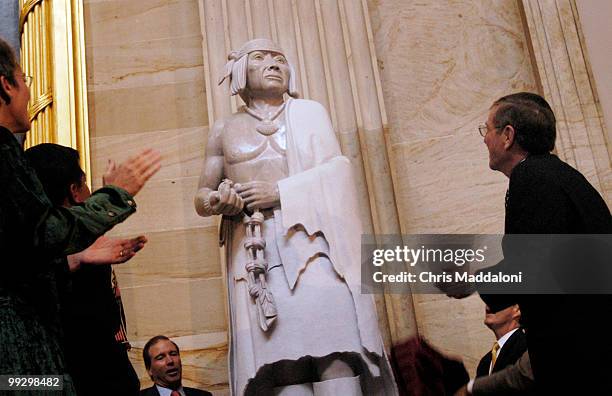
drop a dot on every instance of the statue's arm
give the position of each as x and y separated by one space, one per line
208 201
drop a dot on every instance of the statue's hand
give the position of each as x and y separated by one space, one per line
259 194
225 201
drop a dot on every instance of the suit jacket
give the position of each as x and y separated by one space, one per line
547 196
91 315
512 350
515 379
152 391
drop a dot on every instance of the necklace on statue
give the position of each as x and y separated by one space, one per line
267 125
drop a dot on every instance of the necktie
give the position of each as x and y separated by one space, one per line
175 393
494 351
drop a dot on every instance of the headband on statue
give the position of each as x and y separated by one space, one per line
247 48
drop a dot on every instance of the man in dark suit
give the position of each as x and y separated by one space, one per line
510 341
565 338
163 363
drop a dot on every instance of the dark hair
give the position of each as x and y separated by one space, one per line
57 167
532 119
8 64
149 344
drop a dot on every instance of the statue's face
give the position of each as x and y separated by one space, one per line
267 74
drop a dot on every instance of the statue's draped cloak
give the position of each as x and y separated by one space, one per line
324 180
316 236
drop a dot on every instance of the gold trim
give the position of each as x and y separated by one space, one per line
80 87
40 104
53 52
27 8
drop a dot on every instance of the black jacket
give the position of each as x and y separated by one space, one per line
565 338
512 350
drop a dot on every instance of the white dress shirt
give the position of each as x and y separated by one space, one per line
167 392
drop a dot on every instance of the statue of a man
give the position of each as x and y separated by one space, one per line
274 170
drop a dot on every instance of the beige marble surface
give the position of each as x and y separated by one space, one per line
190 253
149 62
123 21
174 306
561 57
442 64
148 108
164 205
182 150
593 18
146 89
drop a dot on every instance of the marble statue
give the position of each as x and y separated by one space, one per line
298 321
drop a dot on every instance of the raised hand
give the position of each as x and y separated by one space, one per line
132 174
109 172
106 251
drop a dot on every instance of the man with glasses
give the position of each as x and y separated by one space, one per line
33 233
547 196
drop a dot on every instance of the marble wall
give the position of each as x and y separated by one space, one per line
146 89
566 80
594 18
442 64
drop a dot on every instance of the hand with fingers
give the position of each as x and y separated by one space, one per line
132 174
225 200
109 173
258 194
106 250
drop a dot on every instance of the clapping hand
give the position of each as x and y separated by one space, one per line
106 251
132 174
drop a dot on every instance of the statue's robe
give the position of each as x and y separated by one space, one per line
313 254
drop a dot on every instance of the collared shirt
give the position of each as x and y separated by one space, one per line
167 392
502 340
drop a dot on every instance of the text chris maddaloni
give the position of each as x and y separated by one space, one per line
446 277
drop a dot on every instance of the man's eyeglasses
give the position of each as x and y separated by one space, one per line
483 129
28 80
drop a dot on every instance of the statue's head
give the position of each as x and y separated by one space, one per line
259 68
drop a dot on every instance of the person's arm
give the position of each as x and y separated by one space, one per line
208 200
106 251
68 231
31 223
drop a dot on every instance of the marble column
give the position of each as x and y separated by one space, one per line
442 64
559 53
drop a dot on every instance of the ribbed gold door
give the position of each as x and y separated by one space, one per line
53 53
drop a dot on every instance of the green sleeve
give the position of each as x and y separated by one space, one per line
31 225
72 230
